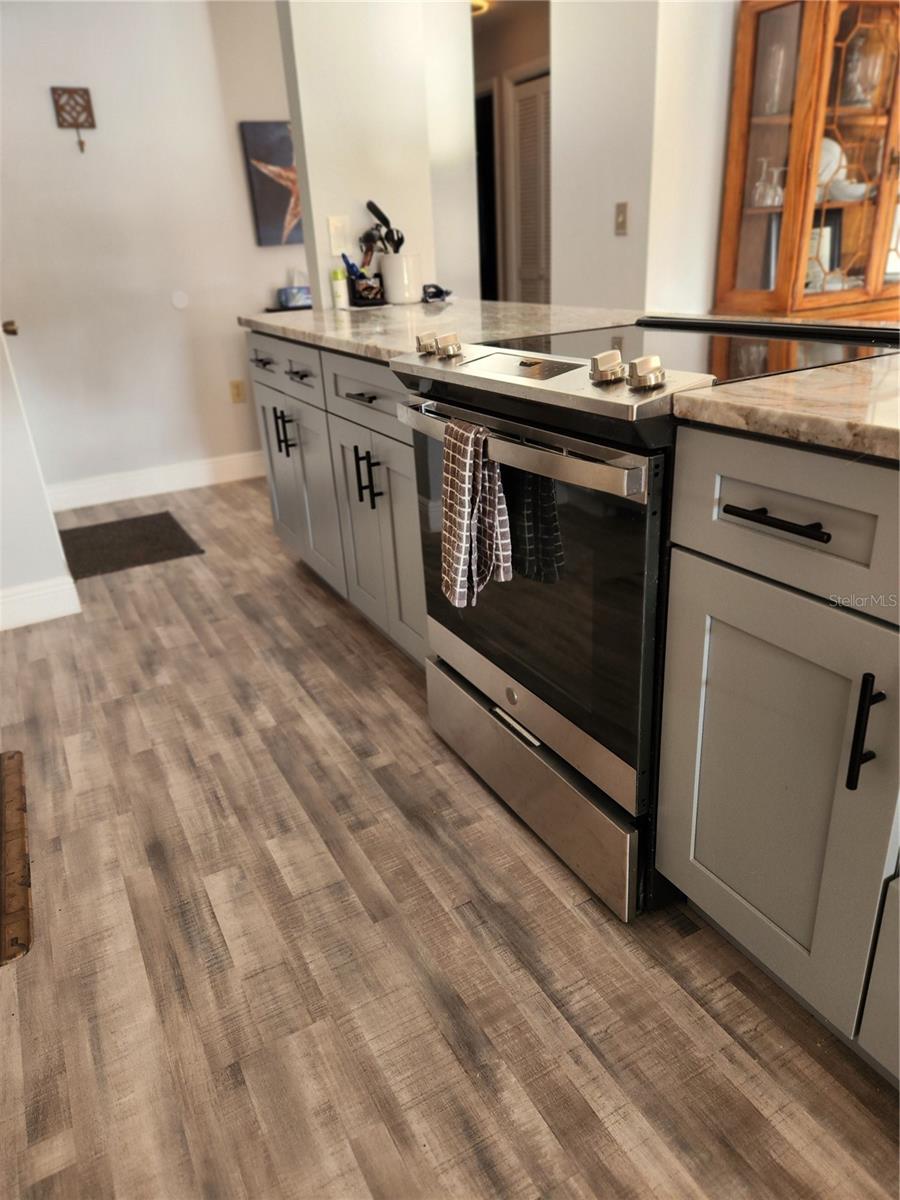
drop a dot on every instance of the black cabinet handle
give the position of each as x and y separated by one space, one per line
370 486
859 755
260 360
285 440
276 420
357 461
297 375
760 516
365 397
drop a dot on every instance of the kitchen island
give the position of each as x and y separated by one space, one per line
781 613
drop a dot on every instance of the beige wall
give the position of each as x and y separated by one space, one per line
127 265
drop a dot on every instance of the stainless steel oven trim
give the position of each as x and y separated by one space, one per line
583 464
588 756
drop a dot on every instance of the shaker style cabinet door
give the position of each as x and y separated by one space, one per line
308 444
354 477
401 544
285 499
778 775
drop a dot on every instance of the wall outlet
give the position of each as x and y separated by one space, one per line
238 393
339 235
621 218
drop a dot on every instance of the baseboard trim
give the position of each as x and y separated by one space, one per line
151 481
31 603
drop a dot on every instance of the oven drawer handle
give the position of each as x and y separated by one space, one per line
629 482
760 516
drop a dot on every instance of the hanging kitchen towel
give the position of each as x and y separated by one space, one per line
537 547
475 543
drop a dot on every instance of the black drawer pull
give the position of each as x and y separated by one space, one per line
260 360
859 755
276 421
297 375
365 397
760 516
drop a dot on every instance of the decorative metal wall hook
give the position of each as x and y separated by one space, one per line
74 110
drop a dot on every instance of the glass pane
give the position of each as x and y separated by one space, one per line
853 148
892 267
769 134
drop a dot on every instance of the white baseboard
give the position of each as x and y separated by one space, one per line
31 603
151 481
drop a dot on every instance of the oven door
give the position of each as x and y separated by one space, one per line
566 647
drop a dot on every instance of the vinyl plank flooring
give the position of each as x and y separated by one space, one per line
286 945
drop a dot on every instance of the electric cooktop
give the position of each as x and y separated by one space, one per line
730 350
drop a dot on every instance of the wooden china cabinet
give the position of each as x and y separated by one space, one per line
810 220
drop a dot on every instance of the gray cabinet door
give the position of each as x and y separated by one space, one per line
878 1034
401 544
314 474
285 499
756 823
360 525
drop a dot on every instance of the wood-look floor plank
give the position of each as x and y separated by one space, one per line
286 945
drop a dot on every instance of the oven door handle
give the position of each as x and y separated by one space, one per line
628 481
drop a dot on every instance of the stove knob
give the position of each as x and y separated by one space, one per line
425 342
646 372
448 345
607 368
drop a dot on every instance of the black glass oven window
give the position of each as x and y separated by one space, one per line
568 625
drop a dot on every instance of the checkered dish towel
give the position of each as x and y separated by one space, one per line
475 542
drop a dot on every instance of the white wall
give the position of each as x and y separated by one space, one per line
693 90
602 78
450 100
366 132
35 583
640 96
95 246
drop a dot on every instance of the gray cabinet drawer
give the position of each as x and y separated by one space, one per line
856 503
366 393
286 366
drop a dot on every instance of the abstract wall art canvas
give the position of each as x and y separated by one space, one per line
272 174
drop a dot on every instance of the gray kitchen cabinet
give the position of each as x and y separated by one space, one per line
401 544
878 1034
284 498
378 506
297 454
757 823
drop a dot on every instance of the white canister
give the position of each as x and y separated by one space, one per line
402 278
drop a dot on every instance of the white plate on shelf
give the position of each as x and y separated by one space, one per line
832 163
846 189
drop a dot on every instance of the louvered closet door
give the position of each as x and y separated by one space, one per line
531 198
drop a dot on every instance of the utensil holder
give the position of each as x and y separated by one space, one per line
402 278
358 299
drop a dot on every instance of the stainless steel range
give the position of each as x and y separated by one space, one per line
549 687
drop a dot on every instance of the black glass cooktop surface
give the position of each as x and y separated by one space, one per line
728 350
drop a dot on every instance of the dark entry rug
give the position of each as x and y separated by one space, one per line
119 545
15 873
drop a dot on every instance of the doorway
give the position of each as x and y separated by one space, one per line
511 41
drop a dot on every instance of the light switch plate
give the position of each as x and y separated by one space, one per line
339 235
621 218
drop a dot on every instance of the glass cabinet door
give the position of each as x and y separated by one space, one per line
851 238
768 142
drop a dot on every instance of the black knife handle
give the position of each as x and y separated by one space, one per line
859 755
378 214
760 516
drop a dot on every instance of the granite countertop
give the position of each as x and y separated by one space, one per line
852 406
849 406
383 333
